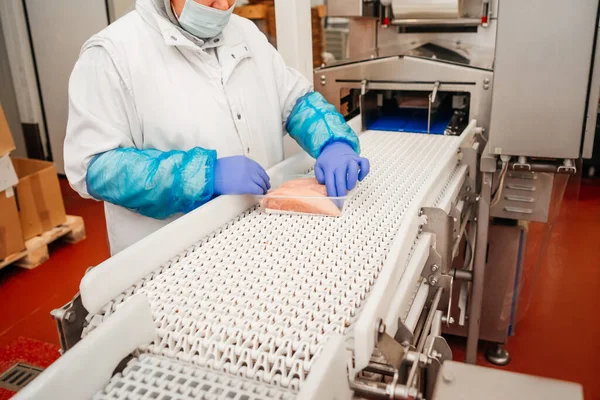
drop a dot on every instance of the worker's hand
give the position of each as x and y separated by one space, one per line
339 168
240 175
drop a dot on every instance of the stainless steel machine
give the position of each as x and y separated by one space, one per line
228 302
523 72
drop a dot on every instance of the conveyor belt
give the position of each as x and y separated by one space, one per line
259 297
159 378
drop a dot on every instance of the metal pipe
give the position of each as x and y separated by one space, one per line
436 326
436 329
426 328
462 274
463 228
375 390
472 238
381 369
412 374
433 308
429 115
412 356
483 220
537 166
404 392
437 22
419 329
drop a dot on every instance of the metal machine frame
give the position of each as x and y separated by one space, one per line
385 49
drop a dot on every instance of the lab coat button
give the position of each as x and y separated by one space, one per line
174 38
239 116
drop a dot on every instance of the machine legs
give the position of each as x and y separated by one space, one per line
497 355
479 268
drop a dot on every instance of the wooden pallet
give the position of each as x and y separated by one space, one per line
252 11
36 249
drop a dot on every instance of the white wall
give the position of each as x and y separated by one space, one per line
22 73
8 99
58 30
118 8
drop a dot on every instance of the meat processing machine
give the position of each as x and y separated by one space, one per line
432 67
228 302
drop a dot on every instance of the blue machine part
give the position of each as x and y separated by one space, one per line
412 120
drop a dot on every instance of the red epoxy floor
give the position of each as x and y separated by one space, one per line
557 335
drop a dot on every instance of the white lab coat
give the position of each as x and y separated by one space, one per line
144 83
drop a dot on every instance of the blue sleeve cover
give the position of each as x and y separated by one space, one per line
153 183
314 123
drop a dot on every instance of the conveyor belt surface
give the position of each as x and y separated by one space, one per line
159 378
258 298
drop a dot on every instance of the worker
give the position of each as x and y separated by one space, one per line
180 101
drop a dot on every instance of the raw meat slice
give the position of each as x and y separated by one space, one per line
306 183
300 199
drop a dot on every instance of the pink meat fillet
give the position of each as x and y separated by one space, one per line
301 196
305 183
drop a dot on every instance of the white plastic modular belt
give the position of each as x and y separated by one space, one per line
155 377
258 298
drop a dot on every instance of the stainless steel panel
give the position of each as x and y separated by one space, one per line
525 196
362 36
438 22
439 50
56 47
592 113
542 67
468 9
483 38
410 73
505 246
345 8
472 9
458 381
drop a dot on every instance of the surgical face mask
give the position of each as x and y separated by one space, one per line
203 21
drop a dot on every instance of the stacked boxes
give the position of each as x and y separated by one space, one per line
11 235
30 197
41 206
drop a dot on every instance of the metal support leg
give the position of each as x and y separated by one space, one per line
483 219
497 355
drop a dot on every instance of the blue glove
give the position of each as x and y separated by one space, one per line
240 175
339 168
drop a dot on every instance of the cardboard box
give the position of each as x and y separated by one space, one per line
11 236
7 143
39 198
8 176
